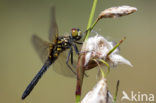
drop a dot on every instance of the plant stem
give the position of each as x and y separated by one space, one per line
91 19
80 69
116 91
117 45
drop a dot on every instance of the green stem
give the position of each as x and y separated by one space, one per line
78 99
107 65
103 74
91 19
95 22
116 91
117 45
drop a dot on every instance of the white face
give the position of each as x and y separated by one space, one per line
79 33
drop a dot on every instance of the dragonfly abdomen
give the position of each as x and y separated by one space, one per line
37 78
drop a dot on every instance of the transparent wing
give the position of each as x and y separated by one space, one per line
41 47
53 33
60 66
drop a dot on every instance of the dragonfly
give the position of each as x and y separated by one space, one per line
49 52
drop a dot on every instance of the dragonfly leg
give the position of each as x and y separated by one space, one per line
72 61
71 56
71 53
78 42
76 49
67 61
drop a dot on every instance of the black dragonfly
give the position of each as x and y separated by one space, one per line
51 51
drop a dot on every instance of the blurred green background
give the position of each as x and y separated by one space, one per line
19 19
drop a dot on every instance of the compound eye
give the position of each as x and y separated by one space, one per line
74 32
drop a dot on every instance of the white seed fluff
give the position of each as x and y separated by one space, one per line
99 94
97 47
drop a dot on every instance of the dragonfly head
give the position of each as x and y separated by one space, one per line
76 34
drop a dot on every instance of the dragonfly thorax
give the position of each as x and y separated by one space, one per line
62 44
76 34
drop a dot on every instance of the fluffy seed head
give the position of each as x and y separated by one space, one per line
114 12
98 47
99 94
